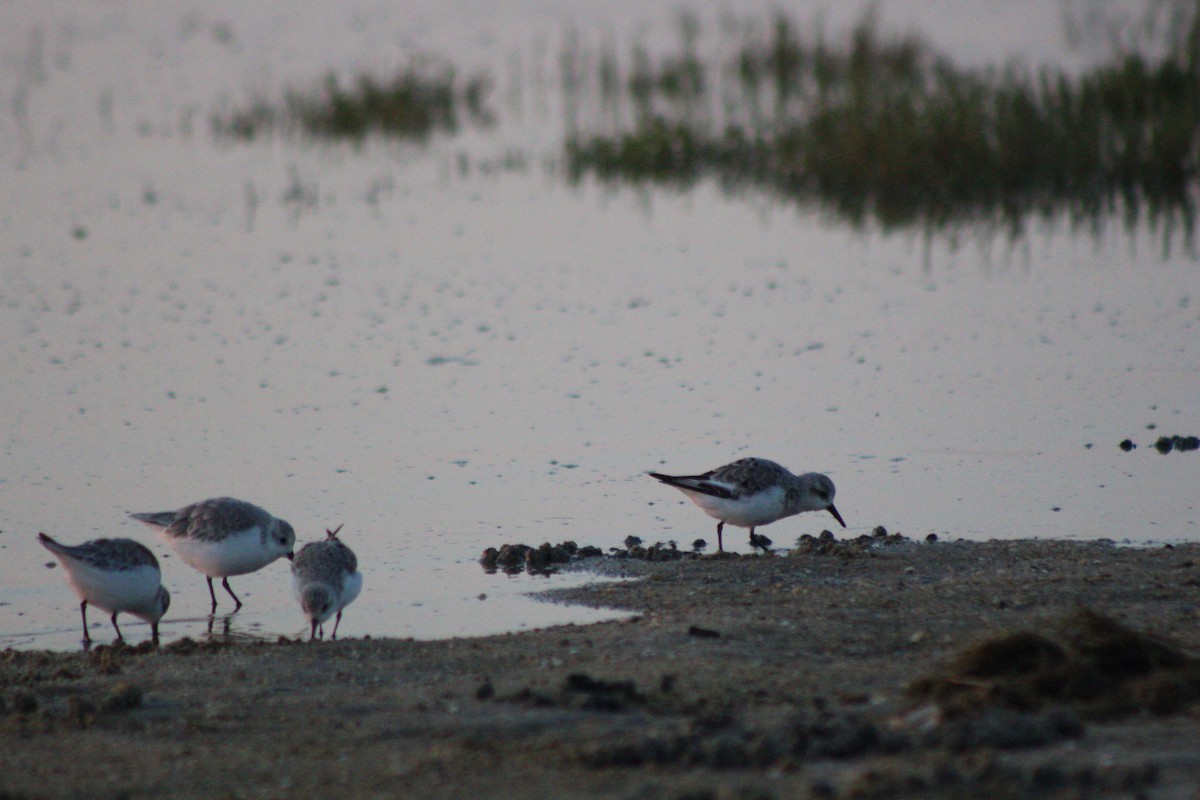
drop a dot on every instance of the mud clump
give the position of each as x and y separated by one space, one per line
1004 729
601 695
514 558
50 710
544 559
23 702
1166 444
655 552
122 697
829 545
703 633
188 646
729 743
1093 663
582 691
987 776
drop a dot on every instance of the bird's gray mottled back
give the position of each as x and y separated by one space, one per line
751 475
218 518
110 554
215 518
324 558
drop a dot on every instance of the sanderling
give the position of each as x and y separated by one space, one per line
754 491
114 575
325 579
222 537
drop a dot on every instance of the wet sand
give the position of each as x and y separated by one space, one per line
736 677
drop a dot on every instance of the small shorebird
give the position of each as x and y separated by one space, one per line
114 575
754 491
325 579
222 537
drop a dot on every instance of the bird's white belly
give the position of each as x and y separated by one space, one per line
745 512
350 589
236 555
131 590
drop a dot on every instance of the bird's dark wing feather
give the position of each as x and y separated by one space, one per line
697 483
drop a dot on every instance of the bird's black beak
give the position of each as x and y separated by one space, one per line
291 555
835 513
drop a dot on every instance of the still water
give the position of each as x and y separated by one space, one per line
446 347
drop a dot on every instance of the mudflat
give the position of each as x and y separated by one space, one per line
882 669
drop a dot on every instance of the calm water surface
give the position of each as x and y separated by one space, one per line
445 354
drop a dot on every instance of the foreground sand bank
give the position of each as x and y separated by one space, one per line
739 677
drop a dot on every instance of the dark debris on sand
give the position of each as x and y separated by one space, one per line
545 558
1015 691
1092 663
829 545
582 691
742 743
514 558
1166 444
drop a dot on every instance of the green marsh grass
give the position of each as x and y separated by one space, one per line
422 99
885 131
881 130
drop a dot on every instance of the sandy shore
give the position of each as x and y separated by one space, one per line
739 677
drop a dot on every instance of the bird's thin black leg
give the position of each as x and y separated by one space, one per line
225 583
87 637
720 546
211 594
120 638
336 622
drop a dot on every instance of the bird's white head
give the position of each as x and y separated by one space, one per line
282 539
816 494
